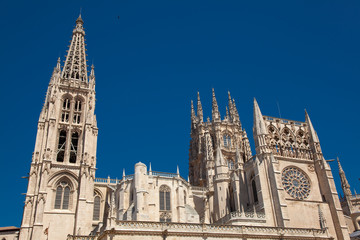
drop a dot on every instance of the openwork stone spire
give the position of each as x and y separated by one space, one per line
75 64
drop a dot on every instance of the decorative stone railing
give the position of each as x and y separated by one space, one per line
107 181
146 229
163 174
282 120
248 216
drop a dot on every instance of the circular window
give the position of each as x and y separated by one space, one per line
296 183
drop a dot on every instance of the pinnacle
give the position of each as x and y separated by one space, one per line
259 125
79 19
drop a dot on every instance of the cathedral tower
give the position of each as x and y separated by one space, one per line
218 150
60 194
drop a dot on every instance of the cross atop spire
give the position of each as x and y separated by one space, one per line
75 67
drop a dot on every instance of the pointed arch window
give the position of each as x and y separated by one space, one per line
96 214
65 110
74 147
227 141
254 190
62 197
61 146
77 112
164 195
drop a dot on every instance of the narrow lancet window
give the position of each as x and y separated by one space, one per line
61 146
96 215
62 197
65 110
253 186
77 112
164 196
74 147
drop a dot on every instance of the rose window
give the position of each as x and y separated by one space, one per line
296 183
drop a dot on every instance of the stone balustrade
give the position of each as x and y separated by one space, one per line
138 228
238 216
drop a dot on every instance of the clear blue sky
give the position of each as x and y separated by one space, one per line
151 58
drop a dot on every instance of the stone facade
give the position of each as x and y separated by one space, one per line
230 193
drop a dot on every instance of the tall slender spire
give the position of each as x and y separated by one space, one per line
215 108
75 64
344 182
92 75
236 117
259 124
311 128
199 108
58 67
231 108
192 111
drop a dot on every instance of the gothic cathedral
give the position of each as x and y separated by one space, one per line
283 191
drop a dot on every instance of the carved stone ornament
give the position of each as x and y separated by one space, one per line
311 167
296 183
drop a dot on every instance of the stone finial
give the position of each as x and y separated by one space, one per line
192 111
236 117
92 72
123 173
199 108
215 109
231 108
58 67
344 182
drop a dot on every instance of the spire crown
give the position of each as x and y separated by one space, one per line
75 64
